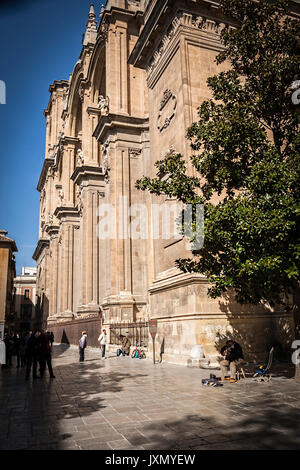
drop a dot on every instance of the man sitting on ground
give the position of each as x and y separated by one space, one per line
233 356
126 343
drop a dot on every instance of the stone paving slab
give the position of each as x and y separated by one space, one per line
131 404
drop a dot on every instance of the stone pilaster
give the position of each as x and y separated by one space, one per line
91 183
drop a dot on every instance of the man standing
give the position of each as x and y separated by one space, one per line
82 345
102 341
233 356
45 356
34 349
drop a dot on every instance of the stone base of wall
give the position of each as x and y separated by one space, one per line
187 316
70 332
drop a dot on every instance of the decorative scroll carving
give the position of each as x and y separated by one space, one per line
167 110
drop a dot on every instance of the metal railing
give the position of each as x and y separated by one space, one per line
137 332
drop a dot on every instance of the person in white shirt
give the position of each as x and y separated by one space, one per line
82 345
102 340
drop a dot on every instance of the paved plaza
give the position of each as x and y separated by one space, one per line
132 404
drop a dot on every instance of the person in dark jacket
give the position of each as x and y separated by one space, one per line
21 358
34 349
16 349
233 356
9 343
51 339
45 356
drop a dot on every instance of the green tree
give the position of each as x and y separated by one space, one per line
246 150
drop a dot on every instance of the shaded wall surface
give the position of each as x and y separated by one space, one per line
70 332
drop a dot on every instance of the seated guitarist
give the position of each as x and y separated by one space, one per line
233 356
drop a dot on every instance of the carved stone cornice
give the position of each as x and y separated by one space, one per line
42 244
52 230
115 121
68 140
47 164
61 212
86 172
173 278
160 28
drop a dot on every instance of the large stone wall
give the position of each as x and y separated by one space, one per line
70 332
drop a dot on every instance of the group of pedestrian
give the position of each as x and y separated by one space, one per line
38 353
124 350
15 345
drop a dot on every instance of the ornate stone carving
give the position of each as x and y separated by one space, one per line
164 43
50 219
134 153
80 159
79 198
105 162
186 20
166 97
103 104
60 197
206 24
81 93
104 28
167 110
171 151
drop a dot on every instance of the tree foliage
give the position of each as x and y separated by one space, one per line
245 150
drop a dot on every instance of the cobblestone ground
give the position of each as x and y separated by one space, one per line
124 403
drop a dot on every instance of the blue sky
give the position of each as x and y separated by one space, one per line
40 42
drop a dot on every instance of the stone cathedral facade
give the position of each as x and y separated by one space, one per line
134 91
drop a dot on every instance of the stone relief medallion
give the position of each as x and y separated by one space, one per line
167 110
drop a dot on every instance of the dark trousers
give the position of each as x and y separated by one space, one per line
21 360
81 354
103 346
8 359
46 359
31 361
